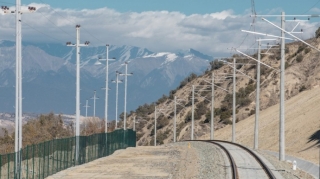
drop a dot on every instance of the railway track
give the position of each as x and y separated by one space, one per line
233 162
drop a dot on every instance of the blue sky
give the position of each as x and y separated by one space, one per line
184 6
210 26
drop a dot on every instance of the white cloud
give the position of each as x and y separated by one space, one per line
156 30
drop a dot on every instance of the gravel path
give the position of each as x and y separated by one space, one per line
211 160
181 160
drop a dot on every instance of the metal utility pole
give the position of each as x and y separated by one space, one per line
282 73
256 126
85 122
134 123
86 106
18 115
77 45
175 119
212 109
107 87
18 93
94 104
117 81
234 103
155 126
125 95
192 119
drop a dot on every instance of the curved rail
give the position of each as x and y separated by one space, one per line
261 163
233 166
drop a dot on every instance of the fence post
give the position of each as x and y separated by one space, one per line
14 169
27 158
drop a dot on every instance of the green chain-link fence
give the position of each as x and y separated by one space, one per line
44 159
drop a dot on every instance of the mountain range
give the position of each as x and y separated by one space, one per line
49 76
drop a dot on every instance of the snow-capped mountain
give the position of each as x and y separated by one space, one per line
49 76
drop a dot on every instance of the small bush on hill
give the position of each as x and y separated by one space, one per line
299 58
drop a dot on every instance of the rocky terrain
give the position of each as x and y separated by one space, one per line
302 73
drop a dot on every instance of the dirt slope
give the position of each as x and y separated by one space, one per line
302 120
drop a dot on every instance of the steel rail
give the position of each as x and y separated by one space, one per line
258 159
233 166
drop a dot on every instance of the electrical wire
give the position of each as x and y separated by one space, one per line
75 23
55 24
23 22
311 7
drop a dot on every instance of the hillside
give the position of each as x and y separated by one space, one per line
302 73
302 121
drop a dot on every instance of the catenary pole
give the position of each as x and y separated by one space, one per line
175 119
106 88
155 126
234 103
125 94
282 79
192 114
212 109
256 126
134 123
117 88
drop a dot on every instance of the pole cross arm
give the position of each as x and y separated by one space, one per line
114 81
104 59
291 35
265 34
128 74
70 44
229 64
257 60
6 10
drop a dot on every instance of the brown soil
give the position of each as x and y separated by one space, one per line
301 121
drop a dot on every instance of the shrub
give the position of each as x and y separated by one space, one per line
161 137
138 136
162 122
188 117
151 143
226 115
162 99
302 88
216 64
287 50
244 101
301 48
253 111
299 58
307 50
227 121
286 65
187 79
